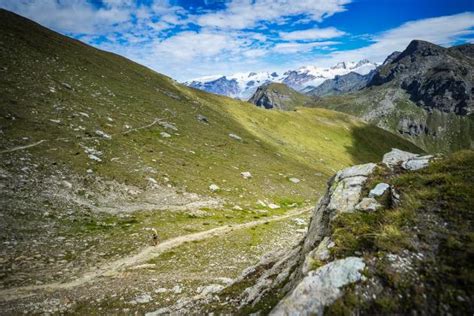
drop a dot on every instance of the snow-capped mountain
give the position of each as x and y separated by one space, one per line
243 85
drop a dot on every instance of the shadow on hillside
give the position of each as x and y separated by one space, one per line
370 143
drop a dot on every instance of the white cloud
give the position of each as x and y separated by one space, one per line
312 34
292 48
444 30
241 14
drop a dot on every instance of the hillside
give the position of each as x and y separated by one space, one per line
387 238
96 151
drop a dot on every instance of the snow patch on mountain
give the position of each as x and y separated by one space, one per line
243 85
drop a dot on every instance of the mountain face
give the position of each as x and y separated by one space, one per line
244 85
221 86
279 96
341 84
435 77
424 93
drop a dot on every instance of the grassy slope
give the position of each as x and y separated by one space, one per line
45 77
453 132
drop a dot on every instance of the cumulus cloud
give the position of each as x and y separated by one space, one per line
312 34
241 14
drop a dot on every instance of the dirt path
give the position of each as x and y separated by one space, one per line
22 147
146 254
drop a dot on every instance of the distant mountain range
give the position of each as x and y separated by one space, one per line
244 85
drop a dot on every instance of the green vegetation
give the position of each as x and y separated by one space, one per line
392 110
429 233
66 93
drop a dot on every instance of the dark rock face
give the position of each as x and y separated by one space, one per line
296 79
268 98
435 77
222 86
342 84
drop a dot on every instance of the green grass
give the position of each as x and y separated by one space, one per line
435 219
447 132
109 93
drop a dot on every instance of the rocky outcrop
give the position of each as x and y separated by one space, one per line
320 288
279 96
435 77
306 278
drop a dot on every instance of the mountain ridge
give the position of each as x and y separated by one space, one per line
244 85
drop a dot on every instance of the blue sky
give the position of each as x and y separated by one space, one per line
188 39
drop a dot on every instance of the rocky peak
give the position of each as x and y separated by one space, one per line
434 77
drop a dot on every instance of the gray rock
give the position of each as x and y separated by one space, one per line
294 180
165 135
417 163
320 253
159 311
358 170
368 204
210 289
214 187
320 288
237 137
202 118
396 157
143 299
379 190
246 175
346 194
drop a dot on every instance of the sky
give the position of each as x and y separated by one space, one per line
194 38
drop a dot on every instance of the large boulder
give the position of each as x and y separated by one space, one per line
320 288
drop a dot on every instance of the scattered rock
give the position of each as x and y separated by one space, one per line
299 221
368 204
246 175
168 125
210 289
214 188
160 311
294 180
165 135
161 290
273 206
379 190
202 118
103 134
237 137
177 289
143 299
